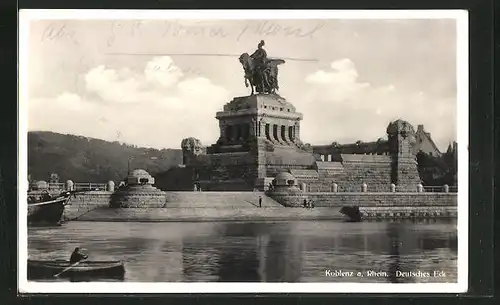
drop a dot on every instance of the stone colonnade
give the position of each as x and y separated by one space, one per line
260 128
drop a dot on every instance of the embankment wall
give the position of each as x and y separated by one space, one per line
372 205
381 205
383 199
81 204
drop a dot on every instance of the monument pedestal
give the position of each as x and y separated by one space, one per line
259 137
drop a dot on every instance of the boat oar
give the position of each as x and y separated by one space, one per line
67 268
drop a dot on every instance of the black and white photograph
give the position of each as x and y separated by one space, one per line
253 151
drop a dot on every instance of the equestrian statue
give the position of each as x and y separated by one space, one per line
261 72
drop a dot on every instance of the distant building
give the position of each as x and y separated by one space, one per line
425 143
452 149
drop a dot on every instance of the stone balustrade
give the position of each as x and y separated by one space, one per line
334 187
69 185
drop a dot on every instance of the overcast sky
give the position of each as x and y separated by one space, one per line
359 76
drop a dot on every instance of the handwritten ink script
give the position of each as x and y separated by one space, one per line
59 31
267 28
252 30
198 29
185 71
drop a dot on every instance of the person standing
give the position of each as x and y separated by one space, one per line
260 201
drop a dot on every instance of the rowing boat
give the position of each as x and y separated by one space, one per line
88 269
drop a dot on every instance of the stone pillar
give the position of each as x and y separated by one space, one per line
253 128
286 135
402 143
303 187
393 188
364 188
70 186
111 186
335 188
297 131
446 188
329 158
420 188
275 135
322 157
222 129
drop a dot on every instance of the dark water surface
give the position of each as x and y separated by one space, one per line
296 251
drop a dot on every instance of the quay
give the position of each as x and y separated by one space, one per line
196 206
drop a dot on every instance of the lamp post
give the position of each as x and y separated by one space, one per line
128 165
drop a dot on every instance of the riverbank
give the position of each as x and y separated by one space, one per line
251 214
210 214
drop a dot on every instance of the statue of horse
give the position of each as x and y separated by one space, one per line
263 83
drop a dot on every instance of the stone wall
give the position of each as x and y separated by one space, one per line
405 173
229 171
379 205
425 212
289 196
175 179
383 199
284 159
373 170
83 203
134 196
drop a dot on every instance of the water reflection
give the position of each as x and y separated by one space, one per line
298 251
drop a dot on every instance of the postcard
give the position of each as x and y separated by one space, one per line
255 151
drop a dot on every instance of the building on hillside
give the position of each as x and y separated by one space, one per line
260 137
452 149
425 144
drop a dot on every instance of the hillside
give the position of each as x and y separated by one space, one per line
83 159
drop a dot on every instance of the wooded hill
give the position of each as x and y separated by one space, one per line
84 159
438 171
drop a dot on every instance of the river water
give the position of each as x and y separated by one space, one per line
295 251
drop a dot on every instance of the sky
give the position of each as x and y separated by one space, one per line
154 82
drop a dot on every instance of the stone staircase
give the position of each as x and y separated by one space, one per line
218 200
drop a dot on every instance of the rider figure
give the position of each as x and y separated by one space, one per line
260 58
